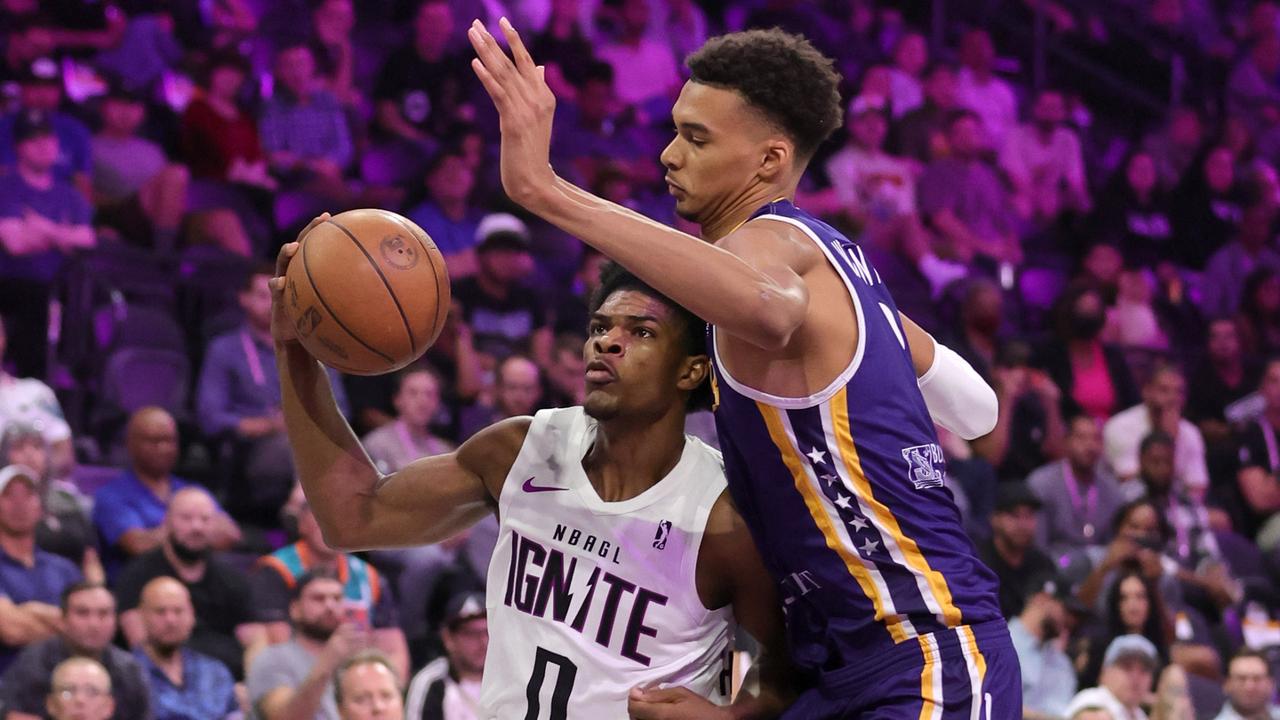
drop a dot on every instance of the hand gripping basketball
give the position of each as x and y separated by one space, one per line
282 329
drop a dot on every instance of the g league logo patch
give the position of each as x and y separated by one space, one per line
660 538
925 465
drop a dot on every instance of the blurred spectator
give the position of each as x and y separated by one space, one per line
1029 427
1093 377
1259 317
1079 493
1224 376
1256 494
877 192
1135 213
644 67
1164 396
219 140
517 391
1231 265
449 687
146 49
238 401
1125 683
1175 147
365 687
922 133
185 684
30 402
331 24
963 198
910 58
684 26
137 190
43 220
1211 208
1044 162
571 310
409 436
366 601
304 129
504 314
65 529
979 90
1039 633
447 215
31 580
88 624
218 591
563 49
425 87
1249 688
129 511
293 679
594 132
1011 553
1139 533
41 92
1132 323
79 689
1251 88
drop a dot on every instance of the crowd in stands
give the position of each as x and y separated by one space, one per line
1104 255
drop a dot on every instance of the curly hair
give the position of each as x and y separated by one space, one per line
781 75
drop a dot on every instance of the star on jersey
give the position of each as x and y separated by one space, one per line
859 523
817 456
870 546
829 478
842 501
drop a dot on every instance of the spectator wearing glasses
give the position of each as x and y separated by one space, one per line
80 689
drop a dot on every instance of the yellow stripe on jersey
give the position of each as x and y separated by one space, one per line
930 683
791 458
884 516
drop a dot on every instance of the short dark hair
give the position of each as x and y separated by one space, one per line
614 277
364 657
1248 654
78 587
1155 437
782 75
262 267
414 369
308 577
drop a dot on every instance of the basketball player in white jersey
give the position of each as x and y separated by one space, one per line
621 563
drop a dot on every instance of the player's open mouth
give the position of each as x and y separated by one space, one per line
600 373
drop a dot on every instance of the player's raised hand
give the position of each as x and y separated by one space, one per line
672 704
282 330
526 107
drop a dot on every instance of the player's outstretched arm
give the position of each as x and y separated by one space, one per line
761 299
730 572
355 505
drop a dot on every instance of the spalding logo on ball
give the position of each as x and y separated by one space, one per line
368 292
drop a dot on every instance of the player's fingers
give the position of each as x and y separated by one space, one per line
287 251
491 85
487 49
519 53
322 217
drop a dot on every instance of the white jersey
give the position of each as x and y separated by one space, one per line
587 599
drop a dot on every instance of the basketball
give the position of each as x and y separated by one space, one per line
367 291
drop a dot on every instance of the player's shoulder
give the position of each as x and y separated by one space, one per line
786 239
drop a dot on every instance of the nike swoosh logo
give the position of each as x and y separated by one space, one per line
529 487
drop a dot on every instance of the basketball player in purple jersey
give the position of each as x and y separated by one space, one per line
827 396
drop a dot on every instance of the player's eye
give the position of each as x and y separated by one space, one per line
596 328
644 332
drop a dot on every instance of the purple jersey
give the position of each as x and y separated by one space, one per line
843 490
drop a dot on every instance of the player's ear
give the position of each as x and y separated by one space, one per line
695 371
778 157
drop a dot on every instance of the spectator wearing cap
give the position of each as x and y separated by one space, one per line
88 624
31 403
505 316
65 529
43 220
365 687
877 191
1249 688
1128 669
218 591
80 689
449 687
294 678
138 191
1039 634
31 580
367 599
1043 161
1011 552
184 684
41 91
447 214
1079 493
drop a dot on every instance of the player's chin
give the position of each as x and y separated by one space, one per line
601 403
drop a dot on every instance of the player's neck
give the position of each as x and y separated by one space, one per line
737 211
629 457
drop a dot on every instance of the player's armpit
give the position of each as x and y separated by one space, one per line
731 572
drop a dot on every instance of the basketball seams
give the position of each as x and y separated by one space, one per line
316 291
435 276
413 345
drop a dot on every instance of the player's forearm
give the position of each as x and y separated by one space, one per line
336 474
710 282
